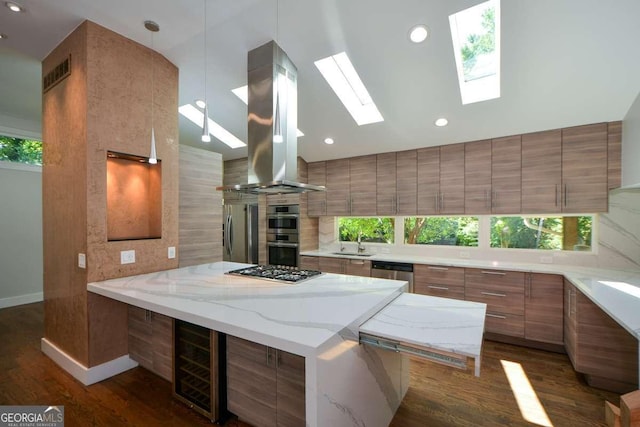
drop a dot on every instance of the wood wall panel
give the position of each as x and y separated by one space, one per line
104 105
200 228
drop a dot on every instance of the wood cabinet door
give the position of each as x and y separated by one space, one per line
331 265
502 291
542 172
386 184
317 199
438 281
338 197
544 308
584 169
290 376
251 381
162 345
358 267
506 175
406 182
310 263
150 341
362 176
452 179
614 154
477 177
428 164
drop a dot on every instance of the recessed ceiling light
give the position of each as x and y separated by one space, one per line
328 141
14 7
3 36
343 78
200 103
419 33
442 122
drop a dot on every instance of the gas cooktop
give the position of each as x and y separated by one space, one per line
279 273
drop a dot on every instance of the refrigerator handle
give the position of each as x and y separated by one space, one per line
230 235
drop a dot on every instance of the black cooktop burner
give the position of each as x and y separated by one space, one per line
280 273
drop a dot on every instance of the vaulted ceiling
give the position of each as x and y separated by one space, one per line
564 63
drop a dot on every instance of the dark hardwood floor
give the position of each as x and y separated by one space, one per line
438 396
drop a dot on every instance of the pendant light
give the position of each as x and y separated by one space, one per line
154 28
277 131
205 125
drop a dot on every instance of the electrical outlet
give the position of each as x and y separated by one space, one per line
465 254
171 252
82 261
127 257
546 259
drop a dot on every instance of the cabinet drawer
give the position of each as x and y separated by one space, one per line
437 290
504 323
452 276
502 291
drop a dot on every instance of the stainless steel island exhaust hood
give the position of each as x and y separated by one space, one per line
273 111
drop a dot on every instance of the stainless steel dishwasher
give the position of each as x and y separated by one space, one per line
393 270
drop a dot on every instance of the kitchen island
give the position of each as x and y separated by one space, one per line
346 383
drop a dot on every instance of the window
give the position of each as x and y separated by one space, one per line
475 33
20 150
454 231
551 233
372 230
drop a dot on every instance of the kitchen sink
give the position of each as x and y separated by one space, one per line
351 254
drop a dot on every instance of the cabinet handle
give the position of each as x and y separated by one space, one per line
565 194
442 288
397 204
278 358
494 199
487 204
528 286
494 273
497 316
438 268
441 207
435 201
356 261
556 195
493 294
268 356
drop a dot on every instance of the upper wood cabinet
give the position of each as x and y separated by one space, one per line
338 187
542 172
584 169
441 180
506 175
614 155
477 177
362 179
386 184
317 199
406 182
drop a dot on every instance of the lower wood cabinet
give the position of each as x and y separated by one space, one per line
438 281
196 368
597 345
150 340
353 267
310 262
543 308
265 386
503 292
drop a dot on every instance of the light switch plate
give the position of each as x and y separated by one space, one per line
82 261
127 257
171 252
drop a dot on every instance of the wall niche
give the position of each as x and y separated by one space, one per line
134 197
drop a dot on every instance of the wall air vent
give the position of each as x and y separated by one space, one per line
55 76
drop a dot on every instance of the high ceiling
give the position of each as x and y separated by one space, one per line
564 63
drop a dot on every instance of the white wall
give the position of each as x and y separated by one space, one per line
631 146
20 234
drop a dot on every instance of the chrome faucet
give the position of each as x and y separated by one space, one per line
360 247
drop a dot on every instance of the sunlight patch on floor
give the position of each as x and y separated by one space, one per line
528 402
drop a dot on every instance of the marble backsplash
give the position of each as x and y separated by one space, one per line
617 232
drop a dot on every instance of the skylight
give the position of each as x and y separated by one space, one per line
345 82
242 92
196 116
476 45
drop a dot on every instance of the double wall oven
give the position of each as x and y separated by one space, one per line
283 223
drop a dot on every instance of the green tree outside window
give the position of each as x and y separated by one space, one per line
20 150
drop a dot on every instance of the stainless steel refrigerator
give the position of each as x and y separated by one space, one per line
240 233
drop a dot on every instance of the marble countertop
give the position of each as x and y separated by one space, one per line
296 318
616 292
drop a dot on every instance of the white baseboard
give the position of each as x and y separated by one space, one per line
20 300
87 376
